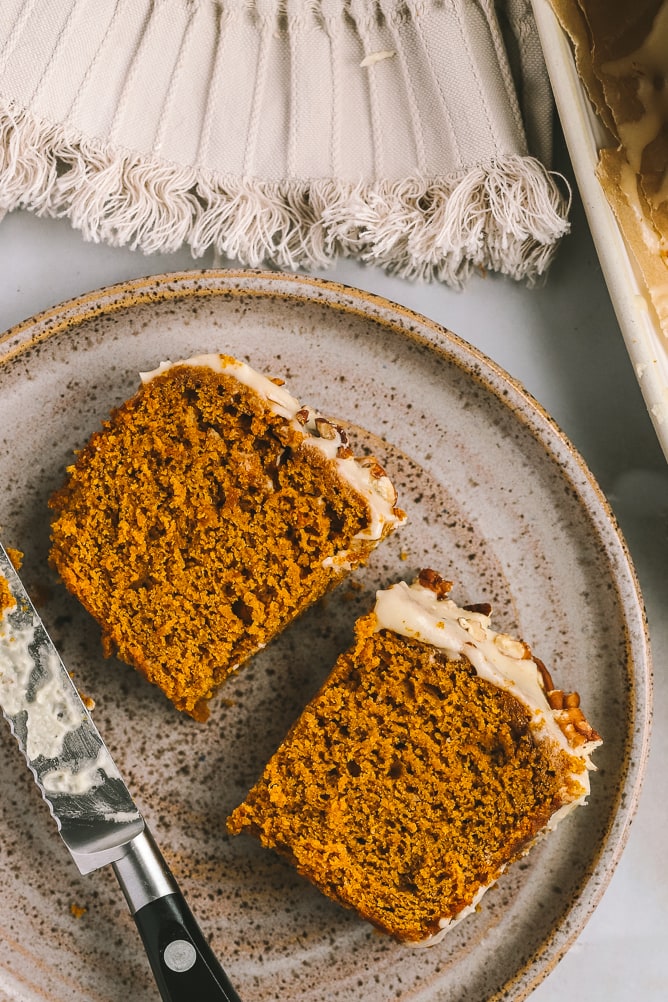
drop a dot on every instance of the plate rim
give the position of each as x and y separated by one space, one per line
184 285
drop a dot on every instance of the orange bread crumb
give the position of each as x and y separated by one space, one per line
206 514
16 557
7 600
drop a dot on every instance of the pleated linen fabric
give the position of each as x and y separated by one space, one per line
286 132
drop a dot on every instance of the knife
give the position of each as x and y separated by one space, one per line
96 816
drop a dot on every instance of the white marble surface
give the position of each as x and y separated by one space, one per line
563 342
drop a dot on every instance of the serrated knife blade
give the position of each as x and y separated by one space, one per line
94 811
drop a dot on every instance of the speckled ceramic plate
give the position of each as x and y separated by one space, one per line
497 500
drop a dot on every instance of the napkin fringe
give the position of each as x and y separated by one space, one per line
507 216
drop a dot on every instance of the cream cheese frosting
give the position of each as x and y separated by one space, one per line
417 611
364 475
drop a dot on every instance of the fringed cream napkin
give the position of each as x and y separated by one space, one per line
286 131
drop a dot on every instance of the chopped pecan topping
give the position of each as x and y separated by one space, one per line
515 649
576 728
472 626
560 700
548 684
373 466
484 608
325 428
555 698
570 717
431 579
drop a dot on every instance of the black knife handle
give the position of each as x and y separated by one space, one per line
184 965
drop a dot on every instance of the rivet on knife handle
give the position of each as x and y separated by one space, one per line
96 816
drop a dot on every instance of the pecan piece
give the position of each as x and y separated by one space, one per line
325 428
431 579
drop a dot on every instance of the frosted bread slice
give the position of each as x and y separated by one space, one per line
209 511
433 756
